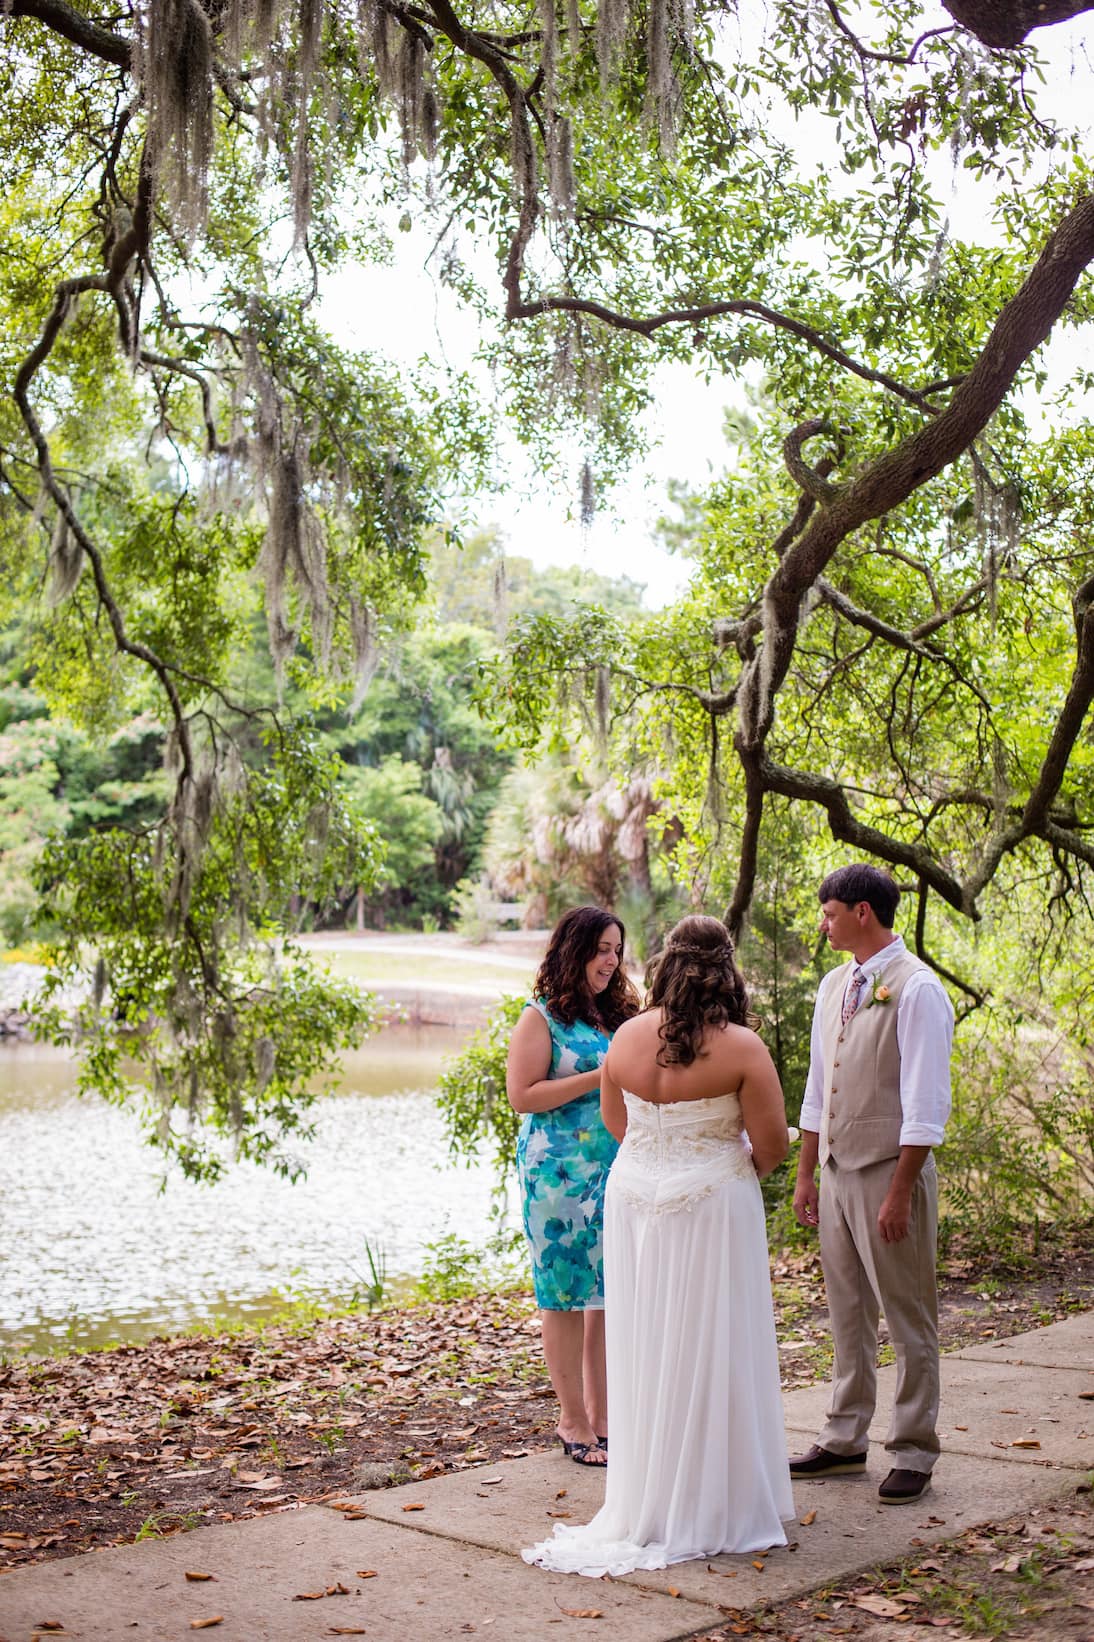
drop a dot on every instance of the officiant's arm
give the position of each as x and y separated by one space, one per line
527 1083
613 1108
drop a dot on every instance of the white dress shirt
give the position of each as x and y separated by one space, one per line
924 1035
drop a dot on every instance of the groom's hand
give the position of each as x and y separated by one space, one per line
806 1201
894 1217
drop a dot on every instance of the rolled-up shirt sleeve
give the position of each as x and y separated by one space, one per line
924 1035
813 1099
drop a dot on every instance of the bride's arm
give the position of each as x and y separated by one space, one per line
762 1109
613 1108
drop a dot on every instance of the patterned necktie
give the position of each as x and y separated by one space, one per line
851 996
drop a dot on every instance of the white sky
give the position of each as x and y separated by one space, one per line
405 313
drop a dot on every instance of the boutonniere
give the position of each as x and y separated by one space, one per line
879 992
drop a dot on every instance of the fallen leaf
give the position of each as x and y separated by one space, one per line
413 1507
726 1573
758 1565
583 1613
1025 1442
882 1606
562 1493
488 1482
206 1624
1010 1565
560 1513
1087 1396
361 1516
346 1630
191 1574
808 1519
309 1596
961 1428
368 1573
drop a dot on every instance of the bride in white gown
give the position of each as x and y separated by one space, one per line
698 1456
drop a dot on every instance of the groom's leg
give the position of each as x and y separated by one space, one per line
904 1274
853 1313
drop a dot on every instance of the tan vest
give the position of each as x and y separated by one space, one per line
862 1115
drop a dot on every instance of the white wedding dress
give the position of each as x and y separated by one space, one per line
698 1455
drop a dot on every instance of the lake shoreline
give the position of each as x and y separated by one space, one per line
505 963
104 1240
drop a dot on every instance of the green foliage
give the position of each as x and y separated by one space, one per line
775 204
471 1093
454 1269
1019 1147
408 821
371 1291
474 903
233 1022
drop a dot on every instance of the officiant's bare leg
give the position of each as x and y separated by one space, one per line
595 1372
563 1346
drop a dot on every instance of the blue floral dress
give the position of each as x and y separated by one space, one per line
563 1158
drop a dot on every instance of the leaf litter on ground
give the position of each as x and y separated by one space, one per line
97 1447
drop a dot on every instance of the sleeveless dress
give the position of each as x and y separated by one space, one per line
563 1158
698 1456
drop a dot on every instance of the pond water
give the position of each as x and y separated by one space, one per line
92 1249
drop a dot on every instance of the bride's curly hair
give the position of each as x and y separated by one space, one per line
561 979
696 984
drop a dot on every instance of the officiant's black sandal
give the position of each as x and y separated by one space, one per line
579 1452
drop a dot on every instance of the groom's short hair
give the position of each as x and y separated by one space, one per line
862 883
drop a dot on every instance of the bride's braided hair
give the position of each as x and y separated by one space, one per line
696 985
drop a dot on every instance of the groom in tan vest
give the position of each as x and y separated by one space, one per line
876 1103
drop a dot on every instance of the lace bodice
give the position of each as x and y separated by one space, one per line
674 1155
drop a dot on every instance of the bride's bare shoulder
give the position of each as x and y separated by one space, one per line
645 1021
737 1041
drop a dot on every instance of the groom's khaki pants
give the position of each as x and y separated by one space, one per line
862 1276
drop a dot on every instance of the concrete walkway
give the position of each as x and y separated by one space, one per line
437 1560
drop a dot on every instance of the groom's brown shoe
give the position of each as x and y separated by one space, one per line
904 1487
818 1462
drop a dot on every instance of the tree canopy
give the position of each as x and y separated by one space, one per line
891 627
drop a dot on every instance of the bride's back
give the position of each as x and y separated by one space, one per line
692 1043
719 1068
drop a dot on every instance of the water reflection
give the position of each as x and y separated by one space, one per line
92 1249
